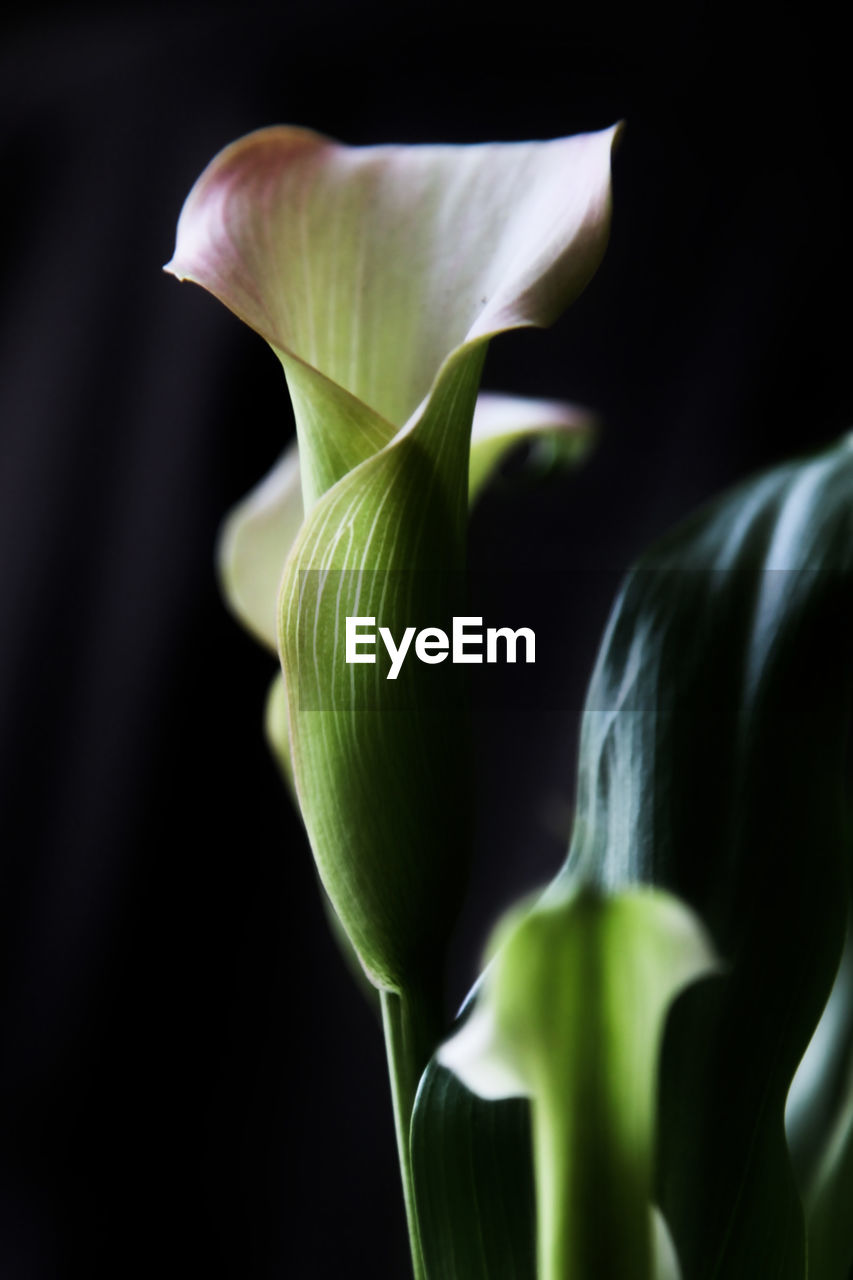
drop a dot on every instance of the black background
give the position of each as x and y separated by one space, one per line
189 1084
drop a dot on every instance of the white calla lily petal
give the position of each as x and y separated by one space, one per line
373 264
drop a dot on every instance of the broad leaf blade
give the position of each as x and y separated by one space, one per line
819 1122
713 764
831 1194
819 1087
473 1169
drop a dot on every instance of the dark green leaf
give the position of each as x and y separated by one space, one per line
473 1169
713 765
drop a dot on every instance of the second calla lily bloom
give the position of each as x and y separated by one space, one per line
378 274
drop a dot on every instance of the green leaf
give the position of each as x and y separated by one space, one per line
713 765
828 1204
819 1084
571 1014
665 1265
819 1123
473 1172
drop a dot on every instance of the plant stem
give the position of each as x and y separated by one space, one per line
590 1218
411 1026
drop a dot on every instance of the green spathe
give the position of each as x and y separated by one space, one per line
571 1014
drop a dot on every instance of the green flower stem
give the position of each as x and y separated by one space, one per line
412 1026
555 1253
590 1222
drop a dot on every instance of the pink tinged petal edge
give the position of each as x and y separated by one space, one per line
334 253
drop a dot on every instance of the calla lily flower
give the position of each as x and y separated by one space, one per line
378 275
570 1014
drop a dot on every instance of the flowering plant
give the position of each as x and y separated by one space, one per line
378 276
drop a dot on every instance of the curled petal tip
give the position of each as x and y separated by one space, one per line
333 253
